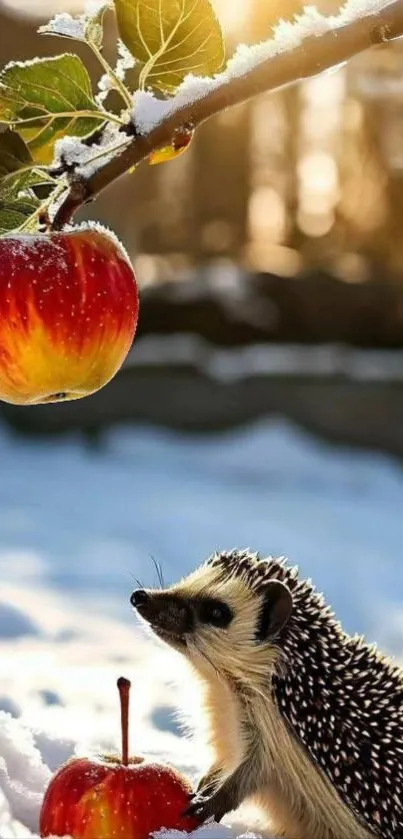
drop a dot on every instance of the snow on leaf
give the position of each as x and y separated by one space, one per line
171 39
45 99
66 26
87 28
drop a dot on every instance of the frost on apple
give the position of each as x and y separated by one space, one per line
101 797
69 308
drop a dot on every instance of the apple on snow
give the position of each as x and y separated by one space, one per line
68 314
129 798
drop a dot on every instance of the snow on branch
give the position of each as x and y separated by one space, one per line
310 45
148 111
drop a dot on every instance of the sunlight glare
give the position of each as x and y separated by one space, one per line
232 15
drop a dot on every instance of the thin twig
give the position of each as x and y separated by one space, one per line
312 56
118 84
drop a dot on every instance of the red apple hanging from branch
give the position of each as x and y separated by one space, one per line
125 797
61 145
68 314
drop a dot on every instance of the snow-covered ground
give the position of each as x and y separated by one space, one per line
76 522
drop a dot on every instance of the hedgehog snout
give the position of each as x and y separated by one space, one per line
139 598
168 615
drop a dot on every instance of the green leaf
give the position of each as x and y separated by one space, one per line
17 169
14 154
20 181
46 99
171 38
94 32
16 211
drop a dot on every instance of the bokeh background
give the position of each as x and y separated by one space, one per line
262 402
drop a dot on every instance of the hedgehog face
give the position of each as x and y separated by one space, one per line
221 618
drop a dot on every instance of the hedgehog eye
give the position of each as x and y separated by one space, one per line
215 613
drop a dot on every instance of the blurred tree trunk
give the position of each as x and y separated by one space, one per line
371 206
292 104
220 186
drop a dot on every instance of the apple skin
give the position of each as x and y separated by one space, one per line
68 314
90 800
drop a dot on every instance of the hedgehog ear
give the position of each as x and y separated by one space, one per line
275 611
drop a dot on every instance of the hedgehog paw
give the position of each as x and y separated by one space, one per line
206 807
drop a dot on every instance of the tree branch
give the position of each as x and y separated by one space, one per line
312 56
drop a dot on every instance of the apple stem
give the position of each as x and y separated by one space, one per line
124 693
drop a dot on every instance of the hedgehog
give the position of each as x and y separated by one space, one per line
305 721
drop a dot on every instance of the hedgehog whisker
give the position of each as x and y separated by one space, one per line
158 568
136 580
205 656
